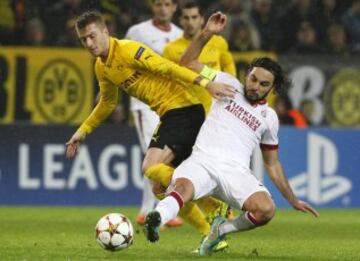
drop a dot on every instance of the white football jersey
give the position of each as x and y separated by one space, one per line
147 33
234 127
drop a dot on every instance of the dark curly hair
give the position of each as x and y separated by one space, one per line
281 82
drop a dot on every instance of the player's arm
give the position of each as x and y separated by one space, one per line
277 175
107 103
146 59
215 24
226 59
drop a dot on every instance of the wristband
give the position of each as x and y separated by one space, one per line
208 73
204 82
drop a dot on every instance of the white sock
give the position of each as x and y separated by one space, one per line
243 222
169 207
148 199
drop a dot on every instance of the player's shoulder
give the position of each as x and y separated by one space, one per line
219 41
137 30
271 115
129 45
139 26
176 29
179 41
227 78
130 50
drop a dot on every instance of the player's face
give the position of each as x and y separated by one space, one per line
191 21
259 83
163 10
95 39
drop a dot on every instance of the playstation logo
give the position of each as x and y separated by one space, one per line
321 183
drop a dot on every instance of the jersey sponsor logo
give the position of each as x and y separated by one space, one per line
129 81
243 115
321 183
60 91
139 52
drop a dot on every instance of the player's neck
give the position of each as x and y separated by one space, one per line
105 53
163 26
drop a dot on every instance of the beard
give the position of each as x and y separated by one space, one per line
254 97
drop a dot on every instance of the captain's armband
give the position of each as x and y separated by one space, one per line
200 80
208 73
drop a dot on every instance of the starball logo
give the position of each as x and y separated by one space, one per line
321 183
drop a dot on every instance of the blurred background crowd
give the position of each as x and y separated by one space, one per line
305 27
300 26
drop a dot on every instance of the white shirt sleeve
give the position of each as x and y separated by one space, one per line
269 139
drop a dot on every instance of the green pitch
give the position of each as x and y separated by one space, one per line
67 233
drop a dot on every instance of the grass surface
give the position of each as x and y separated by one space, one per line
67 233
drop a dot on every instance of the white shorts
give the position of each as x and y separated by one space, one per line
230 184
146 122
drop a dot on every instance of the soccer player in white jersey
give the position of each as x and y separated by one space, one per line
155 33
219 163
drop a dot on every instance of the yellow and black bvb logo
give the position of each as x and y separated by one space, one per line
342 98
60 91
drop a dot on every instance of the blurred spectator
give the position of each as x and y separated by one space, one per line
327 13
59 21
35 33
264 19
306 40
241 37
307 109
337 41
287 114
351 21
12 18
234 9
119 15
290 21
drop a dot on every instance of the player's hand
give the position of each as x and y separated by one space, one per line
72 146
220 90
216 22
305 207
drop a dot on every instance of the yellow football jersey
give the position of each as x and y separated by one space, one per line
143 74
215 55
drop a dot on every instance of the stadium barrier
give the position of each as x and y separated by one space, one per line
323 166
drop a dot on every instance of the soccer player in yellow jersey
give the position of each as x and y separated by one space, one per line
215 54
156 81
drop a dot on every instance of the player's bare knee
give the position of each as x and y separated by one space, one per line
265 213
145 166
185 188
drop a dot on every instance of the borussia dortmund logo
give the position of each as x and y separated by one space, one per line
342 98
59 91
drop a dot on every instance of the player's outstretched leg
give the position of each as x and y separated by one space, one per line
213 238
152 226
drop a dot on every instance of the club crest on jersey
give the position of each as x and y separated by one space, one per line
139 52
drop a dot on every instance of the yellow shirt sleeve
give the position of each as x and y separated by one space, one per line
146 59
107 103
226 59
